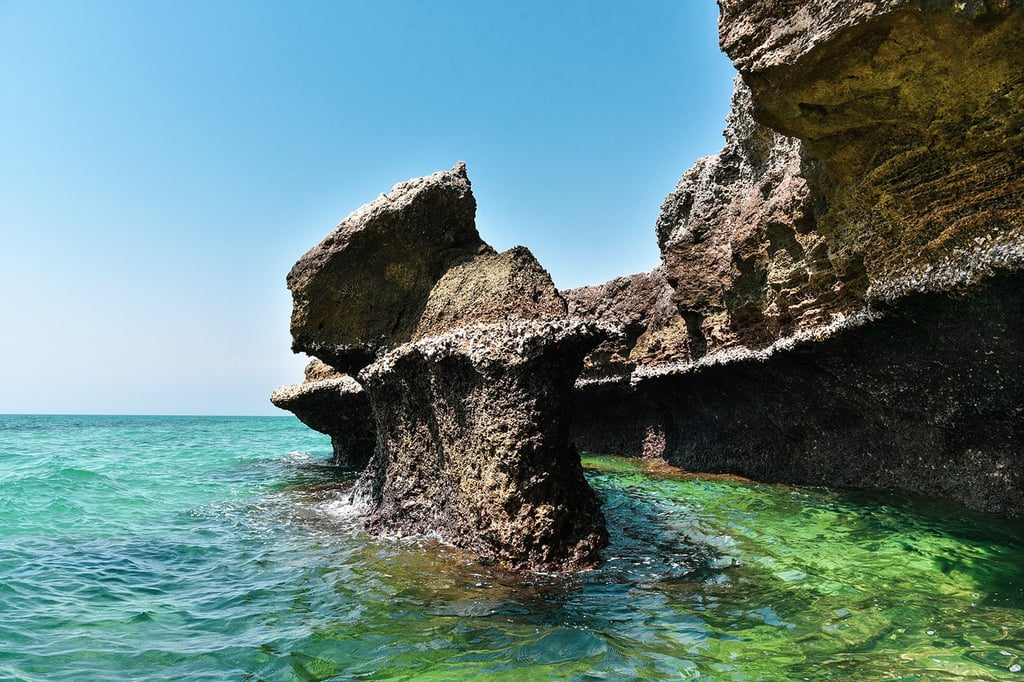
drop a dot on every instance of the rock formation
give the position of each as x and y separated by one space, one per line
474 443
640 306
848 266
362 290
839 300
334 404
468 362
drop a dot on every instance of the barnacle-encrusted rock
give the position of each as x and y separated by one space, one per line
473 443
852 255
471 365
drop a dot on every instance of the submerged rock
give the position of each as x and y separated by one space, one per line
473 443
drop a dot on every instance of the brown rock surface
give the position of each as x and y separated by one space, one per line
317 370
740 244
335 405
363 289
469 386
928 397
914 112
473 443
492 287
850 262
641 307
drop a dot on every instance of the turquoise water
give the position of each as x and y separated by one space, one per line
156 548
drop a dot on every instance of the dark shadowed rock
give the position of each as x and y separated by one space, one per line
927 397
333 404
363 289
850 262
473 443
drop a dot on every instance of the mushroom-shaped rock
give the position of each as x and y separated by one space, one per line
473 443
362 290
336 406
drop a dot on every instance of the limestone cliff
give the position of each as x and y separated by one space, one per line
848 266
839 300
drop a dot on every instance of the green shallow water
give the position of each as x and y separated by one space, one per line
155 548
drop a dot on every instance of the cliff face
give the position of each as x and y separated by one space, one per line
848 265
740 243
914 113
839 300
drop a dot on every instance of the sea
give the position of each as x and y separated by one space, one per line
227 548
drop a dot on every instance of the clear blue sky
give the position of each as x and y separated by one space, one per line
165 163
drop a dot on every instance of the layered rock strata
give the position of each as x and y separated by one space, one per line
468 362
474 443
848 266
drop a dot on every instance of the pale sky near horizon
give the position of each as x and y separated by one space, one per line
165 163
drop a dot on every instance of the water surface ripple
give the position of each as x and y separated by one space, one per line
155 548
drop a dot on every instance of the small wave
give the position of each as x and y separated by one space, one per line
344 506
77 475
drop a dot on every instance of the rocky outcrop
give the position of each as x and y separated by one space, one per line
839 300
849 265
740 244
468 362
926 397
640 307
868 148
492 287
474 443
408 265
914 114
362 290
333 404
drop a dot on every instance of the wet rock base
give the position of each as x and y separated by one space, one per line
928 397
